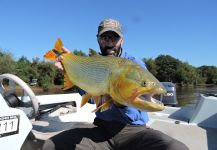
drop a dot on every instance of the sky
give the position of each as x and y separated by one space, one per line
183 29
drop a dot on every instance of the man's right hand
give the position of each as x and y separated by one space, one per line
58 63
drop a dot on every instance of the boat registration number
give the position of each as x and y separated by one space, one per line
9 125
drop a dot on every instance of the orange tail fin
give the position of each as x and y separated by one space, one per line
56 52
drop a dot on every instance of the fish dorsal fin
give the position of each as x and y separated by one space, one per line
67 83
92 52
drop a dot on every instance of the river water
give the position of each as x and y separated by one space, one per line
190 95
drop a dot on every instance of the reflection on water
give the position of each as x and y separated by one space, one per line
190 95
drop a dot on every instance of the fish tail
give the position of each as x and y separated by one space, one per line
56 51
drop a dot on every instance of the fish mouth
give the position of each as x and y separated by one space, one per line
151 99
150 95
146 102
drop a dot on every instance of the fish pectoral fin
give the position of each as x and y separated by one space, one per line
67 83
105 106
85 99
97 100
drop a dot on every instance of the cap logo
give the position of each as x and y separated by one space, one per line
110 23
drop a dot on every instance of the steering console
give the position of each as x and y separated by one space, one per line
11 97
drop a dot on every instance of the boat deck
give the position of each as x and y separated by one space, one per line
195 137
171 121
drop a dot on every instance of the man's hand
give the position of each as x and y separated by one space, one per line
58 63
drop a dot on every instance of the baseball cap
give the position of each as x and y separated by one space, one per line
110 25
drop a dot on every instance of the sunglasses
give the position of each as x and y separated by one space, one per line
106 37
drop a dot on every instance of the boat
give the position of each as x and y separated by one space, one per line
27 121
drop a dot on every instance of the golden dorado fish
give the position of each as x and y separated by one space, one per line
123 80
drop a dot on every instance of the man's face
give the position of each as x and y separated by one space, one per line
110 43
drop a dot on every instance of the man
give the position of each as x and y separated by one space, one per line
120 127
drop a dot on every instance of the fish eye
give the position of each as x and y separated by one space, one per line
144 84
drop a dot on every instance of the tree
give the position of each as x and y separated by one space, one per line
167 67
79 52
151 65
59 78
186 74
209 74
7 63
24 69
46 70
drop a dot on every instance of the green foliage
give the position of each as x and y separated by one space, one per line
7 63
46 70
59 78
24 69
186 74
45 82
209 74
167 67
79 52
151 65
164 67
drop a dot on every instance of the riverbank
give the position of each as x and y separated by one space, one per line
193 85
57 89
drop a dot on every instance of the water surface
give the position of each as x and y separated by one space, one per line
190 95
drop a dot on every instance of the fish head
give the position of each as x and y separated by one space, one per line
134 86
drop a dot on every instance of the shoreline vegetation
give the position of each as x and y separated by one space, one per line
41 91
165 68
193 85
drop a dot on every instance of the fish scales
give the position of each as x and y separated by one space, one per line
89 71
121 79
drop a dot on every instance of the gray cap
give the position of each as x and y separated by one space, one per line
110 25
